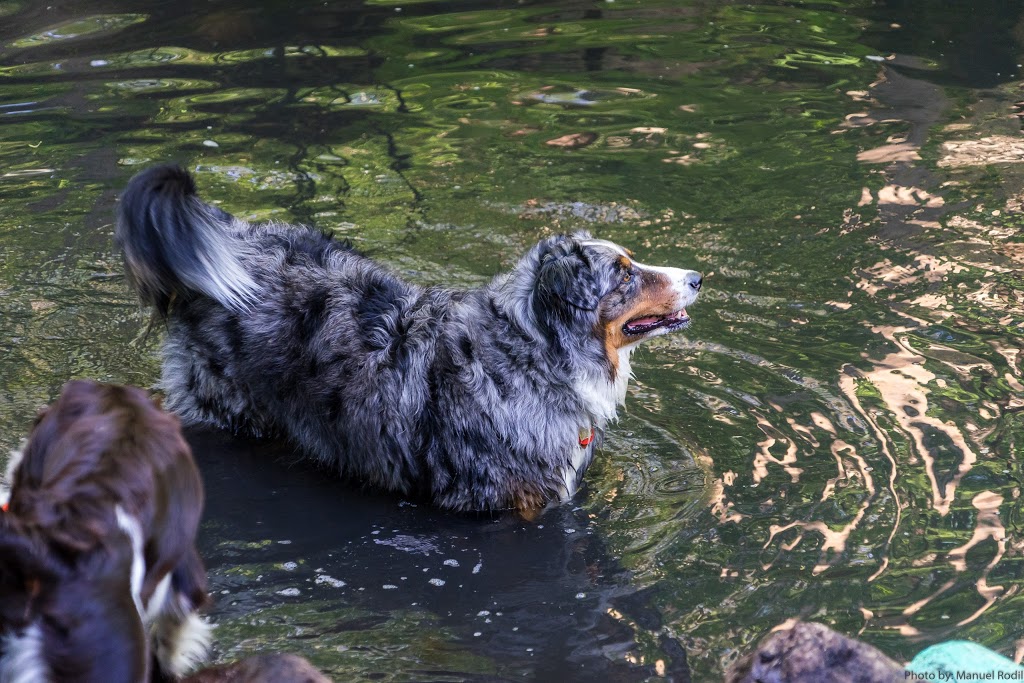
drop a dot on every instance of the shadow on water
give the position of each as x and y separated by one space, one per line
376 588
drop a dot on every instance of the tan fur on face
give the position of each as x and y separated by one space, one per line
656 298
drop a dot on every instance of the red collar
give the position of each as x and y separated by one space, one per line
586 437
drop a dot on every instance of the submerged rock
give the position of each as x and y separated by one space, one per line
813 653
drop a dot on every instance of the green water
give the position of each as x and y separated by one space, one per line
838 435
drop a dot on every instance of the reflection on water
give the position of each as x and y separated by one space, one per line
837 437
70 30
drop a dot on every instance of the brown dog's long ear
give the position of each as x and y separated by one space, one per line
565 276
26 571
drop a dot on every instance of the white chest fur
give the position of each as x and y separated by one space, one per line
601 398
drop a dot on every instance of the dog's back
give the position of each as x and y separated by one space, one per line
267 668
270 325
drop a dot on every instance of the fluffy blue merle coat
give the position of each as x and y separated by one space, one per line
474 400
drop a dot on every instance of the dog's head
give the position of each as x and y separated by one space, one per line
67 615
596 287
103 512
101 445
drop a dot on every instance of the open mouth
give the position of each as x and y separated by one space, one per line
648 323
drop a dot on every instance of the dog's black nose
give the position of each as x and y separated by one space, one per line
695 280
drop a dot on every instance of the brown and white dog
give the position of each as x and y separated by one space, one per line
98 565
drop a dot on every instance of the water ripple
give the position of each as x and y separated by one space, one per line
86 26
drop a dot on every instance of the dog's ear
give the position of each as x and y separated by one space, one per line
566 275
25 572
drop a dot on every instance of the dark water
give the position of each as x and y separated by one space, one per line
838 437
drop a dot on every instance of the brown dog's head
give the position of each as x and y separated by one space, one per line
99 445
104 508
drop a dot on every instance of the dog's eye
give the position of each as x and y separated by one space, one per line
627 278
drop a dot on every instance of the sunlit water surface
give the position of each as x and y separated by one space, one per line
836 438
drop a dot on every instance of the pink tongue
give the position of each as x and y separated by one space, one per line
645 321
